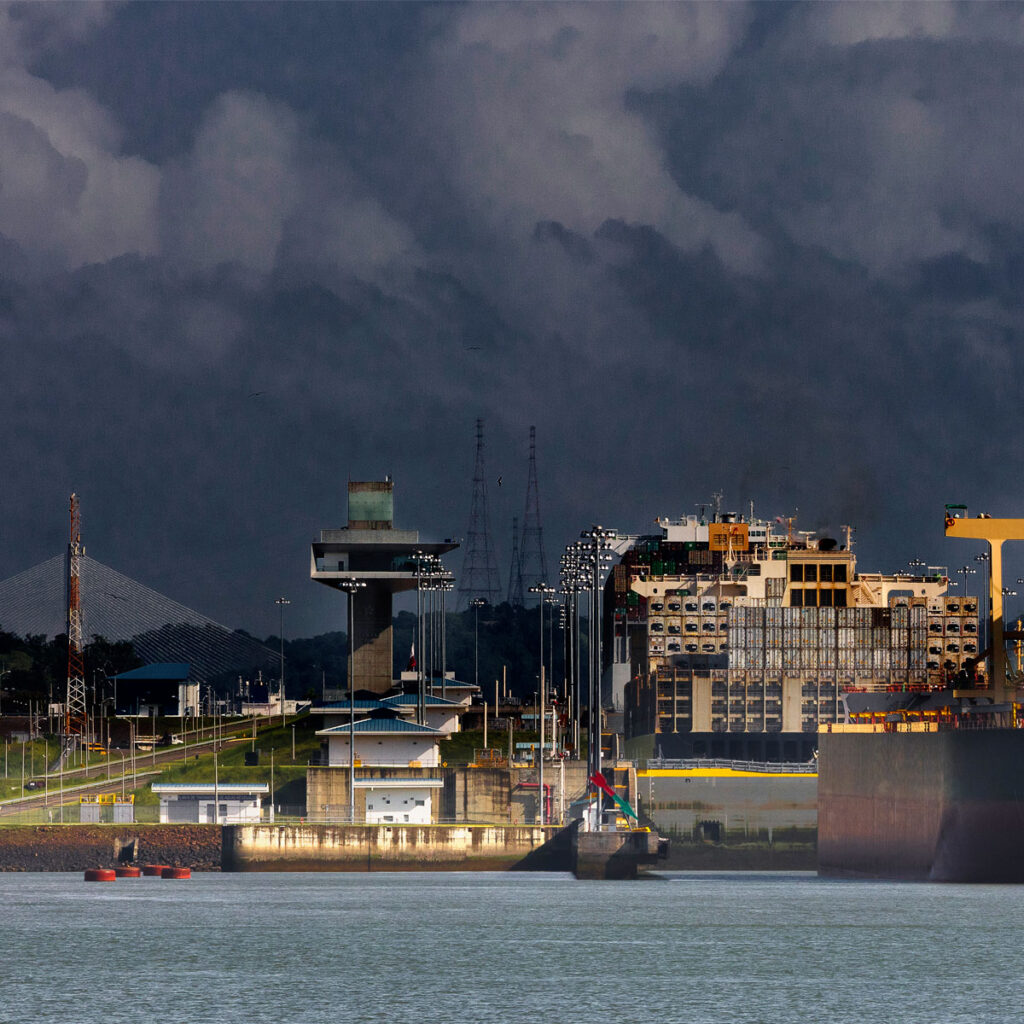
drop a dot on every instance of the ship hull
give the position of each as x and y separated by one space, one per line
931 806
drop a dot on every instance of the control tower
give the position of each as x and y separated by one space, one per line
370 550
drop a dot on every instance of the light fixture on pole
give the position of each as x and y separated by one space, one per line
597 541
476 604
351 587
542 590
281 602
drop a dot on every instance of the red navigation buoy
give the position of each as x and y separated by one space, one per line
153 870
128 872
99 875
176 873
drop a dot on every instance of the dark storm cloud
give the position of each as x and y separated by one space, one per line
250 251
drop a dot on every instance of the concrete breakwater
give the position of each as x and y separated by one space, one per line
79 847
314 847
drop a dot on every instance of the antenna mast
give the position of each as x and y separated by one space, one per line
534 568
479 572
74 705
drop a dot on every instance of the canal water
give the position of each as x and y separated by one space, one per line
745 948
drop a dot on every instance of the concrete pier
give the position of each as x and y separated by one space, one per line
613 855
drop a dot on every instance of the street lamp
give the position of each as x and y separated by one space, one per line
476 604
597 541
543 591
351 587
281 602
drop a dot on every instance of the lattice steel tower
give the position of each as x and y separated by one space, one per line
515 572
74 705
533 565
479 577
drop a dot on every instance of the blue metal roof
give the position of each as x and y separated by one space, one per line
344 705
164 671
381 725
404 699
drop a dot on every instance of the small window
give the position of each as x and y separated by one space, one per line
839 596
825 598
826 573
423 803
810 598
839 574
796 599
810 573
796 574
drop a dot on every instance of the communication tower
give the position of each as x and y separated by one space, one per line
515 572
534 567
74 705
479 576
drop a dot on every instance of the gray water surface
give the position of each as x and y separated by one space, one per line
736 948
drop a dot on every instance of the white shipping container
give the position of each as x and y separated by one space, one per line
880 660
773 659
827 658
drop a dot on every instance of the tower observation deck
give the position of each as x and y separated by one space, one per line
387 561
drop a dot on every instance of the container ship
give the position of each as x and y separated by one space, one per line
737 638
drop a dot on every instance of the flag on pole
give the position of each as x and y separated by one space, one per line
412 659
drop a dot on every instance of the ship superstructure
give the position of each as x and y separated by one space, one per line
742 636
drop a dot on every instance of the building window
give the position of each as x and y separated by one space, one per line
796 599
796 573
810 598
825 598
839 596
810 573
839 574
826 573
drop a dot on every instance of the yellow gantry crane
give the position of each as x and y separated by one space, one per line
995 531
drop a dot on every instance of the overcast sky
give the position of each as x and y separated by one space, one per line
250 251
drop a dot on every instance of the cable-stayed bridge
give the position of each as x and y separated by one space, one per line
119 608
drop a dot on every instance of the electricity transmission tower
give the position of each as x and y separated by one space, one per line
533 565
74 705
479 576
515 572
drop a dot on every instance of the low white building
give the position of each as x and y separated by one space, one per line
399 800
239 802
383 740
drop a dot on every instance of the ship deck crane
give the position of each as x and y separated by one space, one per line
995 531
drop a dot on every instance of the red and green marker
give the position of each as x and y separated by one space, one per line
602 784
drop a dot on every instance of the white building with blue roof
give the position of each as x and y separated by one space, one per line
383 740
390 755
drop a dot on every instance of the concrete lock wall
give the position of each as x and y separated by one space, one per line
380 847
327 794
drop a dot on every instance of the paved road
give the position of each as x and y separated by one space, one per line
93 780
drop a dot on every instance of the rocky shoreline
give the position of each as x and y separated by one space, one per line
79 847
